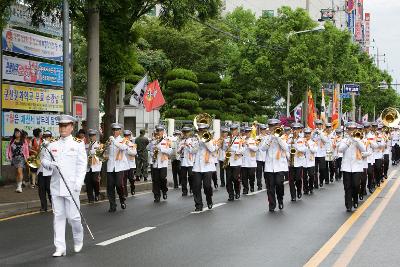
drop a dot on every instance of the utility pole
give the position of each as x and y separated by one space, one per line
93 66
308 6
288 100
121 112
353 107
66 59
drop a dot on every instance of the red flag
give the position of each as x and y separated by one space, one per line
153 97
310 111
335 108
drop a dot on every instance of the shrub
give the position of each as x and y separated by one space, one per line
187 95
231 101
185 104
209 93
246 108
176 112
208 77
228 93
181 74
179 85
214 113
212 104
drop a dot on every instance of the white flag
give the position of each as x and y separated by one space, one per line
323 107
365 118
297 112
138 92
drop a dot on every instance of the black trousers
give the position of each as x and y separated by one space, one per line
395 153
186 176
159 181
363 183
233 180
215 177
331 169
351 183
308 179
44 188
259 173
176 164
129 175
92 183
295 181
202 179
142 165
275 188
248 176
221 172
338 169
115 181
378 171
321 169
370 174
386 163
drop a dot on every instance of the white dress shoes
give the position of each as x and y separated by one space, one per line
78 248
59 253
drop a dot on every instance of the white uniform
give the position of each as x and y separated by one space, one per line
300 147
42 169
186 152
395 136
261 155
95 164
380 147
249 153
203 160
117 160
352 155
310 151
70 157
321 139
131 153
164 152
276 159
236 149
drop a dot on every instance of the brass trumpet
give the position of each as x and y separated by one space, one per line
278 132
357 134
390 117
100 152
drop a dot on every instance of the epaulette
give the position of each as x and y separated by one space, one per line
54 139
77 140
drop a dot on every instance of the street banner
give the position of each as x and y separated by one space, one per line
138 92
297 112
367 31
32 44
350 5
32 98
29 71
21 16
28 122
335 108
323 106
153 97
310 111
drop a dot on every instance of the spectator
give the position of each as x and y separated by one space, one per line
34 147
17 153
82 135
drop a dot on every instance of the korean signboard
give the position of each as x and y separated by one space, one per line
351 88
32 44
21 16
28 122
29 71
32 98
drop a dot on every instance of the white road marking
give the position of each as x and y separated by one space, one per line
255 193
122 237
206 209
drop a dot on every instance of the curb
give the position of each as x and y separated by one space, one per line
13 209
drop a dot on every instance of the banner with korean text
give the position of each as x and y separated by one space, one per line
28 122
32 98
29 71
32 44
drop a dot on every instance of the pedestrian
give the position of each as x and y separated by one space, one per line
34 147
92 179
352 148
203 168
186 153
116 165
161 152
276 164
70 162
44 174
17 153
131 152
142 163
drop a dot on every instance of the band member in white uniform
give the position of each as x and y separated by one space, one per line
352 166
386 153
365 155
70 157
296 161
117 164
44 175
395 135
203 168
309 166
221 154
337 155
92 179
249 162
260 155
330 161
378 154
186 154
175 159
276 165
320 164
130 155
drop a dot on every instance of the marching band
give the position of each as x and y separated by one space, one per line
307 158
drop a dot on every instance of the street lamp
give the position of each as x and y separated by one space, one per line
290 34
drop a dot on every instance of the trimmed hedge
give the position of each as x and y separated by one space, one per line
214 112
208 77
187 95
231 101
212 104
181 74
185 104
180 85
209 93
228 93
176 112
246 108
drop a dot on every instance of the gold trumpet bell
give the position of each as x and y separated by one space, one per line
390 117
202 118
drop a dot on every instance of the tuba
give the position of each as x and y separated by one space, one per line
207 119
390 117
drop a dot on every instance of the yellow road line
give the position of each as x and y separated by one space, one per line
326 249
356 243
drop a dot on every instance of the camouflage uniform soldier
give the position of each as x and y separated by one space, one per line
142 156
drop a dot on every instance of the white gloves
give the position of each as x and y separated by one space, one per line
77 188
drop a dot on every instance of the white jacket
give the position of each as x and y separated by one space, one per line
352 150
380 147
310 150
249 153
42 169
236 150
117 160
95 164
322 141
260 155
276 154
186 153
203 160
164 153
70 156
131 153
300 147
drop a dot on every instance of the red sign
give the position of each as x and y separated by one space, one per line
79 109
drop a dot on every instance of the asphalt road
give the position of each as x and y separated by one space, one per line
239 233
